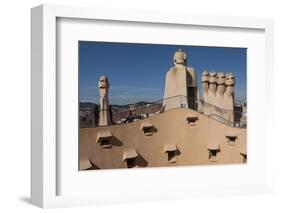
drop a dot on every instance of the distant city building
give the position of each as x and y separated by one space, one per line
88 117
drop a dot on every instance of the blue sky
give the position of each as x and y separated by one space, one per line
137 72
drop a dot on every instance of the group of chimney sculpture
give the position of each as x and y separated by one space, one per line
217 88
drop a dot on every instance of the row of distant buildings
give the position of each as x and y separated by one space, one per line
89 116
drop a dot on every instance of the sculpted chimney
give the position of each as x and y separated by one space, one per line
181 86
104 119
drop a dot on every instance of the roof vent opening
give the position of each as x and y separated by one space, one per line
213 151
231 137
130 158
172 152
148 129
104 139
192 119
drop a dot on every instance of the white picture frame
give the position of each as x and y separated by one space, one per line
45 152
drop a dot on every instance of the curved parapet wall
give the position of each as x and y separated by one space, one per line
177 137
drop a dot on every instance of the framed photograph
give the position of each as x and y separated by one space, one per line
130 106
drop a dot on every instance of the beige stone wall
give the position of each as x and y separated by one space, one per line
171 127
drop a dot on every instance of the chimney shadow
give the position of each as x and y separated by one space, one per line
116 142
141 162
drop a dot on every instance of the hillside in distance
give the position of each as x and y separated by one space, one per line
93 105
